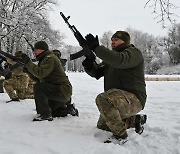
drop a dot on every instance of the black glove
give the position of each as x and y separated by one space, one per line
25 58
25 70
6 72
88 63
92 41
8 76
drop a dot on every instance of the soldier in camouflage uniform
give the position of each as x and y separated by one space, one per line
17 84
124 84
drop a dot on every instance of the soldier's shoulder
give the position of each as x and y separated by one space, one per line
49 56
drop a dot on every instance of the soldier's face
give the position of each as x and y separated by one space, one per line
115 42
38 51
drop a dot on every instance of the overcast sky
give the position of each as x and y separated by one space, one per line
99 16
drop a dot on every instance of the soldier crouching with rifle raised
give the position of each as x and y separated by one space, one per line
17 83
124 85
52 89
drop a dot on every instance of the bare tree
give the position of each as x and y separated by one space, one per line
106 39
172 44
26 18
150 49
163 9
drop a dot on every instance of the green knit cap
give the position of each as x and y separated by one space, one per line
41 45
123 35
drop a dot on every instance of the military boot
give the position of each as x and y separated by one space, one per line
43 118
72 110
117 139
13 99
139 122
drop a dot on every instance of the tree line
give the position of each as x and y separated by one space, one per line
27 19
157 51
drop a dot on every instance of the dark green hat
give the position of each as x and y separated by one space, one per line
123 35
41 45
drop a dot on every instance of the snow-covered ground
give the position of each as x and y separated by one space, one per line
79 135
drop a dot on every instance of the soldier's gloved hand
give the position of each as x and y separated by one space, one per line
6 72
8 76
25 70
25 58
92 41
88 63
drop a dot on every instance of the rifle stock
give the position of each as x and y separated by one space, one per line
82 42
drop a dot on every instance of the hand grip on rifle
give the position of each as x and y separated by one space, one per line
92 41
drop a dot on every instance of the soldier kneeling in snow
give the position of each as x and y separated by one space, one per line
124 85
52 88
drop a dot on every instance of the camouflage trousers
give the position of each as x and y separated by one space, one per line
29 94
16 87
117 110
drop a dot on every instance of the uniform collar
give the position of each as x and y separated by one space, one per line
43 54
121 47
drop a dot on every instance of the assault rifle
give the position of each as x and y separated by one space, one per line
29 43
82 42
14 58
18 61
32 48
4 72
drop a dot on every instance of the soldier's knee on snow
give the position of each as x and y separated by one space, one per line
103 100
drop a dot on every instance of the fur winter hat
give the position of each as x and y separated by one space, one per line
18 53
123 35
41 45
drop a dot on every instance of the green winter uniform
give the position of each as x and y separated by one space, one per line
52 85
124 85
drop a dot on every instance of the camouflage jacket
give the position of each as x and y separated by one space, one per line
122 68
50 70
18 72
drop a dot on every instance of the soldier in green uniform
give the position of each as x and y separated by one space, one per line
124 85
58 54
17 84
71 107
52 88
